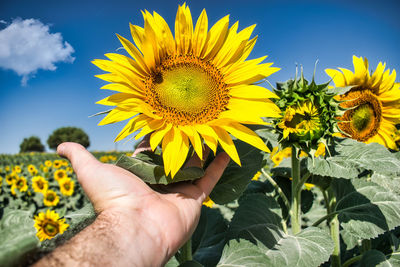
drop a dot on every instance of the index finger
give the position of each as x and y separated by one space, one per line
213 173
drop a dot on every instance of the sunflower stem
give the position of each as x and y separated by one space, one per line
186 252
296 193
334 228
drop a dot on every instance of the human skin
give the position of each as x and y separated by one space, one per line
137 225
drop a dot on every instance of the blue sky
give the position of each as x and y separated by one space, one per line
289 32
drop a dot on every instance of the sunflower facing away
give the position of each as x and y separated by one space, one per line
49 224
194 87
373 102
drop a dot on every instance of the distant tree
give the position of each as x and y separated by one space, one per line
31 144
68 134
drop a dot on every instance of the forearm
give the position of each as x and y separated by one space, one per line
109 241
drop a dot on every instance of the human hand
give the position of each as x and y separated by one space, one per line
150 223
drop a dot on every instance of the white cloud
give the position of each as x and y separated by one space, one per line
27 46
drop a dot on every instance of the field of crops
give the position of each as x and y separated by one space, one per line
32 184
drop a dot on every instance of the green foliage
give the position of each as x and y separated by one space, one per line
349 159
150 170
31 144
68 134
235 178
259 221
18 237
365 209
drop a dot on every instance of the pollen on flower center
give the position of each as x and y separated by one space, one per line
186 90
362 121
50 228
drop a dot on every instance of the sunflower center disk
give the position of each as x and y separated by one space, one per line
51 229
185 90
363 121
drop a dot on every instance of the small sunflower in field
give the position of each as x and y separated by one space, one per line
50 198
40 184
104 159
17 169
60 174
66 186
48 163
11 177
64 163
57 163
373 103
189 89
49 224
32 169
7 168
19 183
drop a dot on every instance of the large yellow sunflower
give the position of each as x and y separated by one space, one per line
373 102
194 87
49 224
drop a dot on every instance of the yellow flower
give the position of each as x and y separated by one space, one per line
112 158
7 168
49 224
17 169
60 174
69 170
64 163
104 159
194 87
256 176
57 163
19 183
50 198
302 121
11 177
208 202
320 150
48 163
373 102
45 169
66 186
40 184
32 169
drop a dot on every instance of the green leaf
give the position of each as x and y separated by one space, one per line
208 240
351 158
191 263
365 209
258 220
154 174
374 258
339 90
235 179
18 237
390 183
242 253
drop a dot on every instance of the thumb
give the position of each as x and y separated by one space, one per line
85 165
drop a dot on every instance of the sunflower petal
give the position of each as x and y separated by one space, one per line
227 144
158 135
246 135
200 33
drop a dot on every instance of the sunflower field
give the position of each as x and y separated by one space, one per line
314 173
